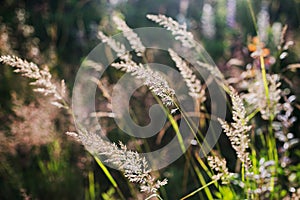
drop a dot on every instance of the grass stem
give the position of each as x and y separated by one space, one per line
198 190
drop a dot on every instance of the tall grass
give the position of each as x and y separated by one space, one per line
258 126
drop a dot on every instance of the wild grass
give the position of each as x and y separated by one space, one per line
259 125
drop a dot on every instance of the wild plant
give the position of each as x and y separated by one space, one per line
261 119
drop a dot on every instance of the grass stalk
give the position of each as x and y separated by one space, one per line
92 194
109 176
264 77
243 172
198 190
202 180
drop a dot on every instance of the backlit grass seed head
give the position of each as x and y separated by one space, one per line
237 131
117 47
274 96
42 78
219 165
256 96
152 79
131 36
178 30
190 78
187 40
134 166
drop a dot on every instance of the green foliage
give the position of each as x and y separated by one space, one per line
49 174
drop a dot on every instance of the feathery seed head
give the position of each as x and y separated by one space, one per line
237 131
219 165
42 78
178 30
190 78
131 36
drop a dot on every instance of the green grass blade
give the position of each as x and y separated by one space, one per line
109 176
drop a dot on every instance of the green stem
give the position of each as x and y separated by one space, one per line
252 15
271 140
243 172
274 154
177 131
109 176
264 76
198 190
91 185
251 115
191 124
202 181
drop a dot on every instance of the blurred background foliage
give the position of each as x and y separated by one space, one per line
41 163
